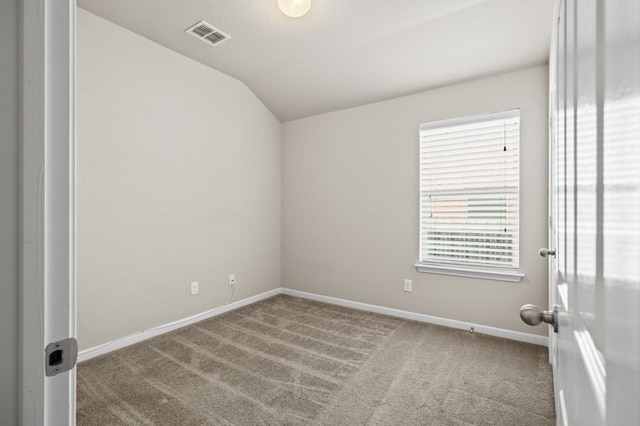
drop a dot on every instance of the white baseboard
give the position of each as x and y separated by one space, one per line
156 331
484 329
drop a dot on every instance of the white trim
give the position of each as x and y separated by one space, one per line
486 274
59 206
47 221
472 119
156 331
32 147
162 329
484 329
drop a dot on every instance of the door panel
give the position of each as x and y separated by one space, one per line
576 396
595 224
621 209
586 164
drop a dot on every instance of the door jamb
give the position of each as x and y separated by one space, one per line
47 87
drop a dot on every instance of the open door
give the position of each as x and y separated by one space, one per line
594 253
580 369
48 329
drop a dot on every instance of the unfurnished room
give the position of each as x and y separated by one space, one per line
307 212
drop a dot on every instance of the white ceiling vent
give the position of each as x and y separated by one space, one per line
207 33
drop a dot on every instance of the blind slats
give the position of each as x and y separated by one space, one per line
469 185
480 161
484 247
470 152
481 171
475 255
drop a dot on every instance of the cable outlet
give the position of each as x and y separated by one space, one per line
194 288
408 285
232 279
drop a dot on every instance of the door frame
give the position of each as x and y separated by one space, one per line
47 207
553 104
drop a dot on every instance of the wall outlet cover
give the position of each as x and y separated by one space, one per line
194 288
408 285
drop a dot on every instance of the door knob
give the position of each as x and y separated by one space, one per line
533 315
544 252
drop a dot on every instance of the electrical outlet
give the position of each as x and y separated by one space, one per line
232 279
408 285
194 288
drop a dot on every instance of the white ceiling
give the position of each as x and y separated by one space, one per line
345 53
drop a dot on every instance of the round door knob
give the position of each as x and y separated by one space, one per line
531 314
544 252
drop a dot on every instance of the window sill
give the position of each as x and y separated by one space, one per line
486 274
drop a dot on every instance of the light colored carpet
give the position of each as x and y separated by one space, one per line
290 361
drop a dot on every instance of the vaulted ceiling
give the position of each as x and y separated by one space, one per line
345 53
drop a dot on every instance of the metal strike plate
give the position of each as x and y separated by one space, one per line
60 356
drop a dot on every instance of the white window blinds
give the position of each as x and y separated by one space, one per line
469 191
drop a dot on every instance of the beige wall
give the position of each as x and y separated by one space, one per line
178 181
350 203
9 145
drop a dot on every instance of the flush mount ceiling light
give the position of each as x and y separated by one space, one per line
294 8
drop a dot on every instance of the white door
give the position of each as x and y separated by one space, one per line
579 362
595 211
621 209
48 212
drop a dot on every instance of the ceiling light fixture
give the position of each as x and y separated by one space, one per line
294 8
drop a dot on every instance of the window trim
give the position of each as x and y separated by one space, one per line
480 272
488 272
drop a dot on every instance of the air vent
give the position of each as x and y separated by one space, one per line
207 33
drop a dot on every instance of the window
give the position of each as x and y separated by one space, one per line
469 196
